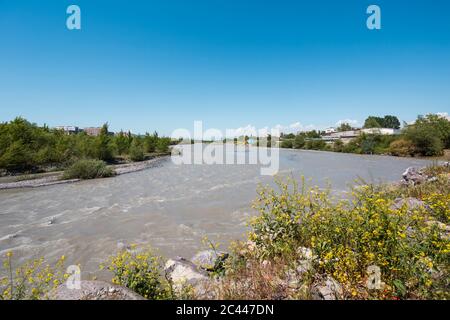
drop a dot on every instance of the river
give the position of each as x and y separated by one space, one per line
171 207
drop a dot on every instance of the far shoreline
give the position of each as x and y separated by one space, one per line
444 158
54 178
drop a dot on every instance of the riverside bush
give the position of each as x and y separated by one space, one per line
31 281
136 152
88 169
139 271
401 148
348 236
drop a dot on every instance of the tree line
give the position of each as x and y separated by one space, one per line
25 146
428 136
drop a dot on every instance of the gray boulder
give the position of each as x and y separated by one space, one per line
329 289
414 176
209 259
94 290
306 254
302 266
183 271
306 259
186 275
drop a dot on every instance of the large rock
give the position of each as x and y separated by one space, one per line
94 290
209 259
182 271
414 176
303 265
306 254
329 289
306 259
410 203
186 275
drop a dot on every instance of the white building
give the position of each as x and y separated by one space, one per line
382 131
68 129
345 134
330 130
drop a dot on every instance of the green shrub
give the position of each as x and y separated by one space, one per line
299 141
31 281
140 271
286 144
150 142
88 169
316 145
429 134
338 146
425 141
401 148
136 152
105 147
352 147
349 236
162 145
17 157
122 143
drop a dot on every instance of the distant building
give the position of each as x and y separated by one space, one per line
330 130
92 131
344 134
382 131
68 129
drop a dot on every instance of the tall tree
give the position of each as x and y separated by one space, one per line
391 122
122 143
373 122
344 127
104 148
387 122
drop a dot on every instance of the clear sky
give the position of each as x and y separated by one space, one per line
160 65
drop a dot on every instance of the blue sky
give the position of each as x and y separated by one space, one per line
160 65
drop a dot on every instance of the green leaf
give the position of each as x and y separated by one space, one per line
400 287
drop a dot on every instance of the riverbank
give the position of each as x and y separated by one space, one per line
303 245
443 158
54 178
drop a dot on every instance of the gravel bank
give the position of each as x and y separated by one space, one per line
56 179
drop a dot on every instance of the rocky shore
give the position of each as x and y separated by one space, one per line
200 274
56 178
